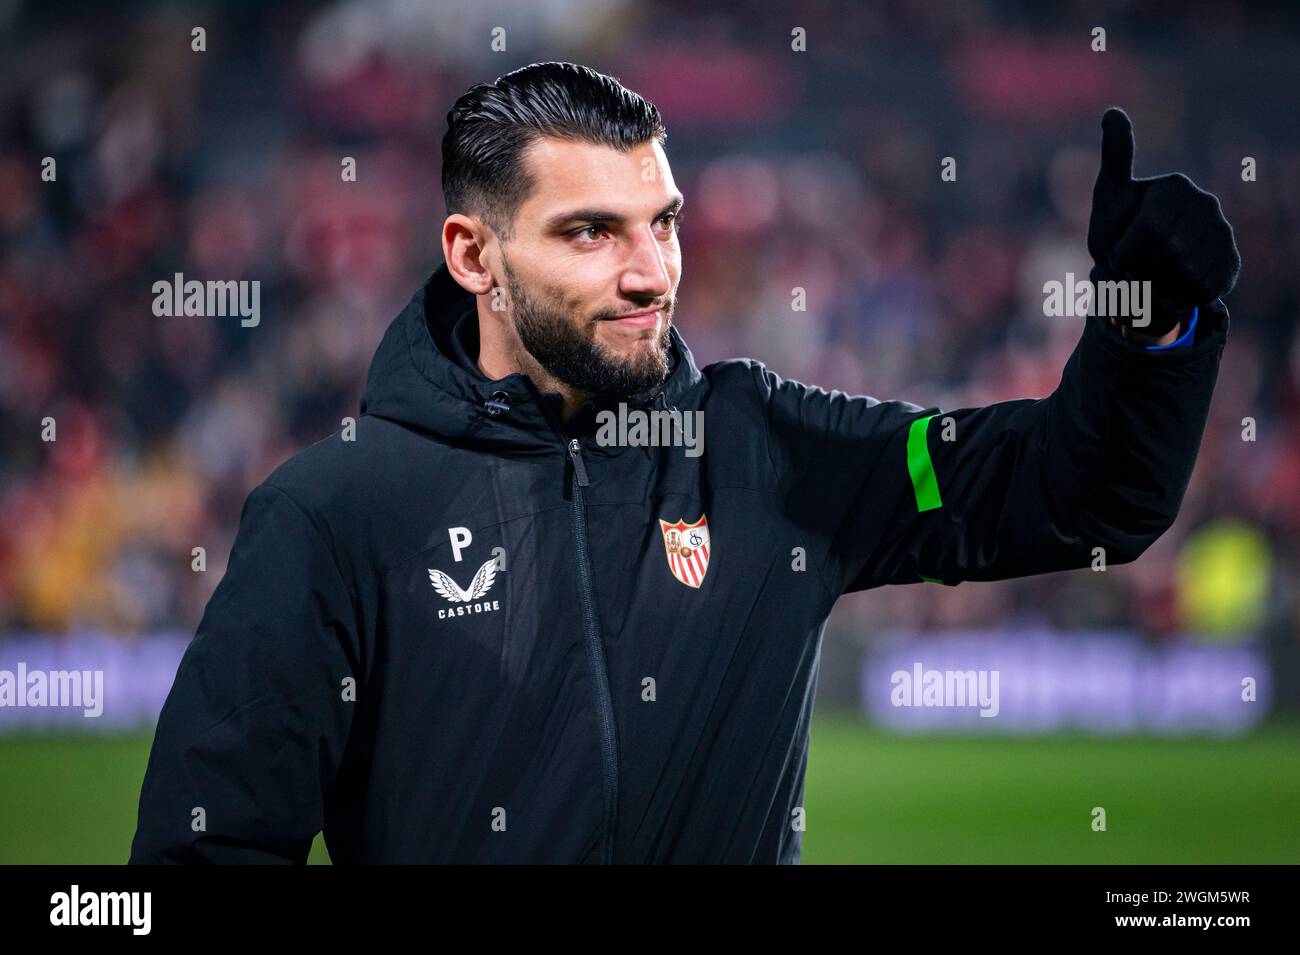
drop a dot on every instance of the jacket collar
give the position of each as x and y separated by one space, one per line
423 376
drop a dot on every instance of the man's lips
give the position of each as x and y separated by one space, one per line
639 319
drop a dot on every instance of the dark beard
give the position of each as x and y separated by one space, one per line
575 357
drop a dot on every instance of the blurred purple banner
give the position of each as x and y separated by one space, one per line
136 676
1041 681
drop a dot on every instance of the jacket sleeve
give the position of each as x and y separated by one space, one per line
898 493
253 731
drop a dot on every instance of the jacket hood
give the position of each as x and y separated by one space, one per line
416 380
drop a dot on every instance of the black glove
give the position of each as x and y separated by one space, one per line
1163 230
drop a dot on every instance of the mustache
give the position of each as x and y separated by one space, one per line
665 307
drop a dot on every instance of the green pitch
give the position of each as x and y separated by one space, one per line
871 797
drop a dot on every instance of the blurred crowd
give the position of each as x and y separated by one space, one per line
817 169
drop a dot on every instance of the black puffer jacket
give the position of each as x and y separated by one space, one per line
475 634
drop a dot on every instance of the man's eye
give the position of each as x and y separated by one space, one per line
674 219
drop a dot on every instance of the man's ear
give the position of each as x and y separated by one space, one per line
464 240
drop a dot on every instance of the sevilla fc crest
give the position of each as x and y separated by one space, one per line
688 548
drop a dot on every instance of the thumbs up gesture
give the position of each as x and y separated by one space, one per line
1163 230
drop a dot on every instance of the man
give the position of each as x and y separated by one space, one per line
484 630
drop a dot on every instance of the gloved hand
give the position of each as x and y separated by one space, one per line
1164 230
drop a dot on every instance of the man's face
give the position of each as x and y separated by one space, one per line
594 242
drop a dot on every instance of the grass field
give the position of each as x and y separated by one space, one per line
871 797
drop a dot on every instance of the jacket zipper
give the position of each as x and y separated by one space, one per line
595 651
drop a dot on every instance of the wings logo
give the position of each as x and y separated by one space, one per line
469 600
687 547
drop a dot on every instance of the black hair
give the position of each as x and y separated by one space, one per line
492 124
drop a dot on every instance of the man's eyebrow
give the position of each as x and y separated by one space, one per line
559 221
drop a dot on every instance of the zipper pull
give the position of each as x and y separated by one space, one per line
579 468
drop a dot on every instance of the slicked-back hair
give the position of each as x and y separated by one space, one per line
492 124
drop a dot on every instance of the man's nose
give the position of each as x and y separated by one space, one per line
646 271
